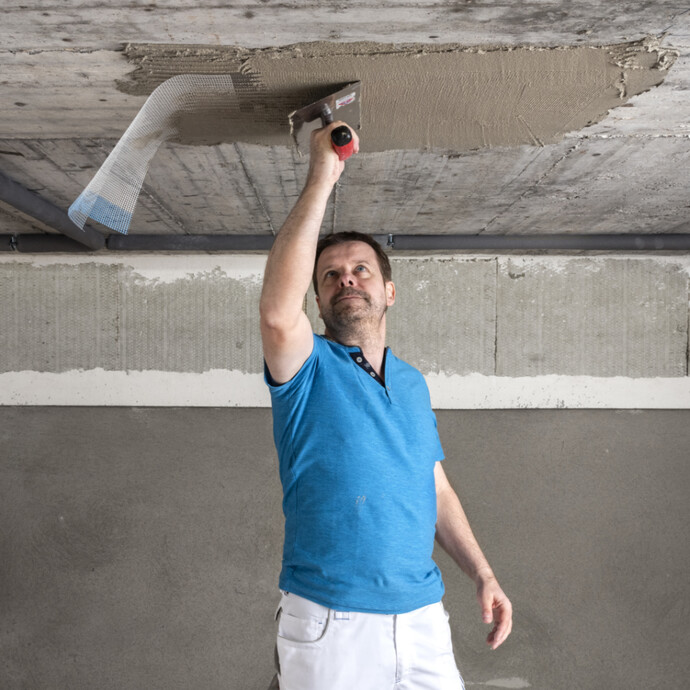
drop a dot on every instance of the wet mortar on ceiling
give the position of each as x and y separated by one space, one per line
414 96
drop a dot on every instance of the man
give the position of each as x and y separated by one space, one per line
360 462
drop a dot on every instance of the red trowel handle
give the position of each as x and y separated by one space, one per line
341 137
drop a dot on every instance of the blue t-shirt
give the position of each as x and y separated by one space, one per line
359 497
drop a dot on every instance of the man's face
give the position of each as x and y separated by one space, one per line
351 287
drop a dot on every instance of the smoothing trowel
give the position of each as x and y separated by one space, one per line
342 105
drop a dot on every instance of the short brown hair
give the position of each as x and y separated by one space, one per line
344 237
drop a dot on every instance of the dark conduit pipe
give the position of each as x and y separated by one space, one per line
31 243
49 214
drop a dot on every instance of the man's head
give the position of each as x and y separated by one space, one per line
352 280
344 237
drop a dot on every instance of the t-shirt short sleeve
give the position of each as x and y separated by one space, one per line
300 380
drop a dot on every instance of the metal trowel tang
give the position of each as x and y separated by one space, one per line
342 105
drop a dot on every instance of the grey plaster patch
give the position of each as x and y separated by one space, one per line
125 551
195 324
58 318
444 315
599 317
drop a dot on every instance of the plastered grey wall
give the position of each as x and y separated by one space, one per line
507 316
140 548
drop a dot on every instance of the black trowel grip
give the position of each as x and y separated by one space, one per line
341 137
343 144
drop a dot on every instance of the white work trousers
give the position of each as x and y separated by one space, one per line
322 649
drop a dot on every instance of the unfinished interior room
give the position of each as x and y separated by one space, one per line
525 168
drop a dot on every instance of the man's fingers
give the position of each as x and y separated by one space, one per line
496 608
503 627
356 139
324 164
324 133
499 634
486 601
495 638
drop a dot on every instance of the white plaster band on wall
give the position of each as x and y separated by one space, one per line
220 388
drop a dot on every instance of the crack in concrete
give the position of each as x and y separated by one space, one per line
532 187
674 17
496 300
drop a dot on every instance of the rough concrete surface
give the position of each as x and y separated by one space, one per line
61 114
249 189
28 24
141 547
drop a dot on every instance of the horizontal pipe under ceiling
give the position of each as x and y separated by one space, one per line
46 243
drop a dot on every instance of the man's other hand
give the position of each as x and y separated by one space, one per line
496 609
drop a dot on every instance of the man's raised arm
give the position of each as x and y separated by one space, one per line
285 329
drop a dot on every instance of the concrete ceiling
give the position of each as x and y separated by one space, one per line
437 77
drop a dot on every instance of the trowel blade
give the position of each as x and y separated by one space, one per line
344 104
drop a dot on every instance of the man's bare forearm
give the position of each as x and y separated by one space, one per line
286 333
291 260
454 534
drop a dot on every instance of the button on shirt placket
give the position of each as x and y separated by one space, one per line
362 363
360 360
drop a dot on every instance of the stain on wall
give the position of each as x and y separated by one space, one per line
413 95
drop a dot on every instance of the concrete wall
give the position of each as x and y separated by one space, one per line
141 547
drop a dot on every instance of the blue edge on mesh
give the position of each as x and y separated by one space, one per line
102 211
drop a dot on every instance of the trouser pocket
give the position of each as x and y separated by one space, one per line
301 630
302 621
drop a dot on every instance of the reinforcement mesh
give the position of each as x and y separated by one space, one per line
111 196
